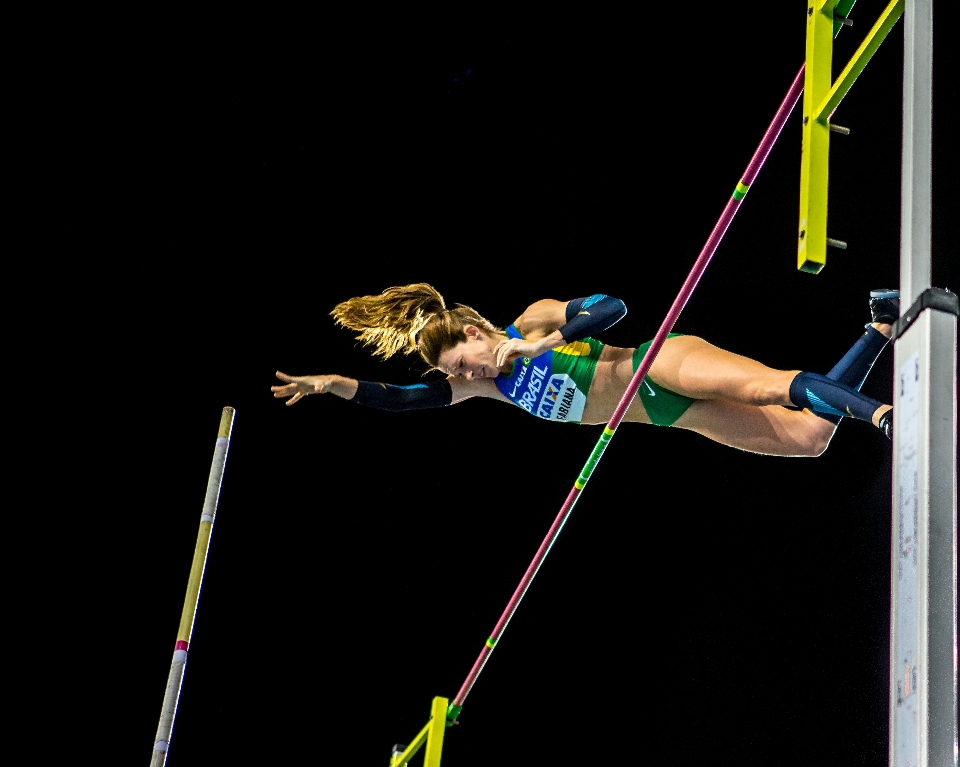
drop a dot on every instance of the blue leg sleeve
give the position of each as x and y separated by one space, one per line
853 368
821 395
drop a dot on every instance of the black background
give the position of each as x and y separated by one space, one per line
701 605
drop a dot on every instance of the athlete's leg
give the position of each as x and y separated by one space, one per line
739 400
690 366
770 430
853 368
695 368
855 365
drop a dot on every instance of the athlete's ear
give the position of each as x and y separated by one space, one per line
472 331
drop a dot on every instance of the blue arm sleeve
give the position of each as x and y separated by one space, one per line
396 398
592 315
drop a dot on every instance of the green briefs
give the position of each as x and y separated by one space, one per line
662 405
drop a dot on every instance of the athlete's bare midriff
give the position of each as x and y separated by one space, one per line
611 378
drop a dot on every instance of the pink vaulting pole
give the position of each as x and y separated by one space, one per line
669 321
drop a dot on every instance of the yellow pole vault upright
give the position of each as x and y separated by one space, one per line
178 664
431 736
820 99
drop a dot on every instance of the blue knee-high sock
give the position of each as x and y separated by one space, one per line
853 368
821 395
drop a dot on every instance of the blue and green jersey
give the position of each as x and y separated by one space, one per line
553 386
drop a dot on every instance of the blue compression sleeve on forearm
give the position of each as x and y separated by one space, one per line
591 315
397 398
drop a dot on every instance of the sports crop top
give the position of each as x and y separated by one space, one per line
553 386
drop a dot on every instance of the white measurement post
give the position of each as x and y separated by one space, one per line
923 610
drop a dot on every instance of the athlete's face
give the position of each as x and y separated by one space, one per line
473 358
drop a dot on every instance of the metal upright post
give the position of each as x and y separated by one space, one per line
923 625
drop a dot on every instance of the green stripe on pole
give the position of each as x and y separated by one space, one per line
594 458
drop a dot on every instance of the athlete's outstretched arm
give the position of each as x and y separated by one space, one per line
382 396
298 387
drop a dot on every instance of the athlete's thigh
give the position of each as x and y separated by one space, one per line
771 429
695 368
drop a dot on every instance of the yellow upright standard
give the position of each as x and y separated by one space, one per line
820 98
812 242
431 736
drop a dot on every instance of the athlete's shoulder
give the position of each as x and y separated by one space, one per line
542 317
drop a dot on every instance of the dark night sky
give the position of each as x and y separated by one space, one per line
702 604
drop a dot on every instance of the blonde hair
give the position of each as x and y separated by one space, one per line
408 318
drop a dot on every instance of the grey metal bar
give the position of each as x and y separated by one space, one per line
923 626
942 541
923 611
917 150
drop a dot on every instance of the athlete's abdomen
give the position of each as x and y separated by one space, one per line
611 378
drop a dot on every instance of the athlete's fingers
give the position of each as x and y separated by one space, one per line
285 377
502 351
294 398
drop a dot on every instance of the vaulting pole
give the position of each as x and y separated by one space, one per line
177 666
793 95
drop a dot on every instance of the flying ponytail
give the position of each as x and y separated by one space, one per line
406 319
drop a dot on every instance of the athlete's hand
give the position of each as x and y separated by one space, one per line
513 348
298 387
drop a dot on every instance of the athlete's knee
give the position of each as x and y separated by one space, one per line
816 437
817 447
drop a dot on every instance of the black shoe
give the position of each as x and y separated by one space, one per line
886 424
885 306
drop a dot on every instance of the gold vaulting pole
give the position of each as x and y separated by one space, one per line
178 664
